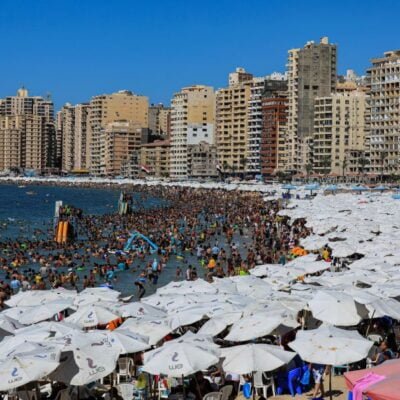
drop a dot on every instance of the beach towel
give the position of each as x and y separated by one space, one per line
363 383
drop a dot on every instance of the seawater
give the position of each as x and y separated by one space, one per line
28 211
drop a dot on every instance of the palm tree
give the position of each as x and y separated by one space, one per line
382 158
326 165
362 162
344 166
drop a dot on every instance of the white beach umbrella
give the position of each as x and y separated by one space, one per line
154 329
91 315
329 345
28 367
335 308
85 358
138 309
216 325
384 307
9 325
197 339
12 345
42 312
178 359
249 358
46 329
259 325
37 297
126 340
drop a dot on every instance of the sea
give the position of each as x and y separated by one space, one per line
27 212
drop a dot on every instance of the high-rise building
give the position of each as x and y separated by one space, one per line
28 138
159 120
339 133
384 113
311 74
103 109
232 115
121 144
155 156
192 121
72 126
274 126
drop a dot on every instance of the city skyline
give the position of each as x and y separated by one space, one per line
76 51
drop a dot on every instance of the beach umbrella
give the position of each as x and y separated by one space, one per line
27 367
249 358
42 312
187 287
396 196
259 325
138 309
216 325
289 187
384 307
336 308
46 329
178 359
8 325
343 249
331 188
127 341
154 329
36 297
380 188
85 358
329 345
359 188
90 316
197 339
12 345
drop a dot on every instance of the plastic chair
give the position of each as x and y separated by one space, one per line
226 392
213 396
263 382
293 381
126 390
125 367
340 368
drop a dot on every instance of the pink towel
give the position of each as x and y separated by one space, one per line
364 383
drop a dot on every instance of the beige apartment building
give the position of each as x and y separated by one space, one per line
155 158
232 114
121 144
192 121
28 138
72 124
339 132
311 73
104 109
384 113
160 120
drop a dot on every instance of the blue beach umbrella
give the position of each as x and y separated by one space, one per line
312 186
396 196
331 188
289 186
359 188
380 188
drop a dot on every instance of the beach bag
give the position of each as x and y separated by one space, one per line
247 390
305 379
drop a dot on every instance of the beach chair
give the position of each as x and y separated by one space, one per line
125 367
263 382
126 390
226 392
213 396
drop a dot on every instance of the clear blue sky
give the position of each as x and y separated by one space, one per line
78 48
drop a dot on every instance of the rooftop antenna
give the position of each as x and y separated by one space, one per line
48 96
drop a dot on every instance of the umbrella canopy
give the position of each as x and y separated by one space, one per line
331 188
359 188
259 325
127 341
329 345
42 312
312 186
380 188
37 297
27 367
248 358
91 315
216 325
335 308
289 186
138 310
154 329
85 358
178 359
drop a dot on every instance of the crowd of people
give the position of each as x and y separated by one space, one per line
199 233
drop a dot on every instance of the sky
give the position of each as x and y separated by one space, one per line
76 49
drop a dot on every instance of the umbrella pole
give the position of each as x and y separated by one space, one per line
252 386
183 388
370 324
330 382
197 387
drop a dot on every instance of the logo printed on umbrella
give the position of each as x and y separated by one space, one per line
175 357
14 372
98 344
141 311
91 363
90 315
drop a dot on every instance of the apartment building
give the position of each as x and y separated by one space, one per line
383 79
339 133
202 160
232 117
72 122
192 121
311 73
155 158
107 108
160 121
121 141
274 126
28 138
